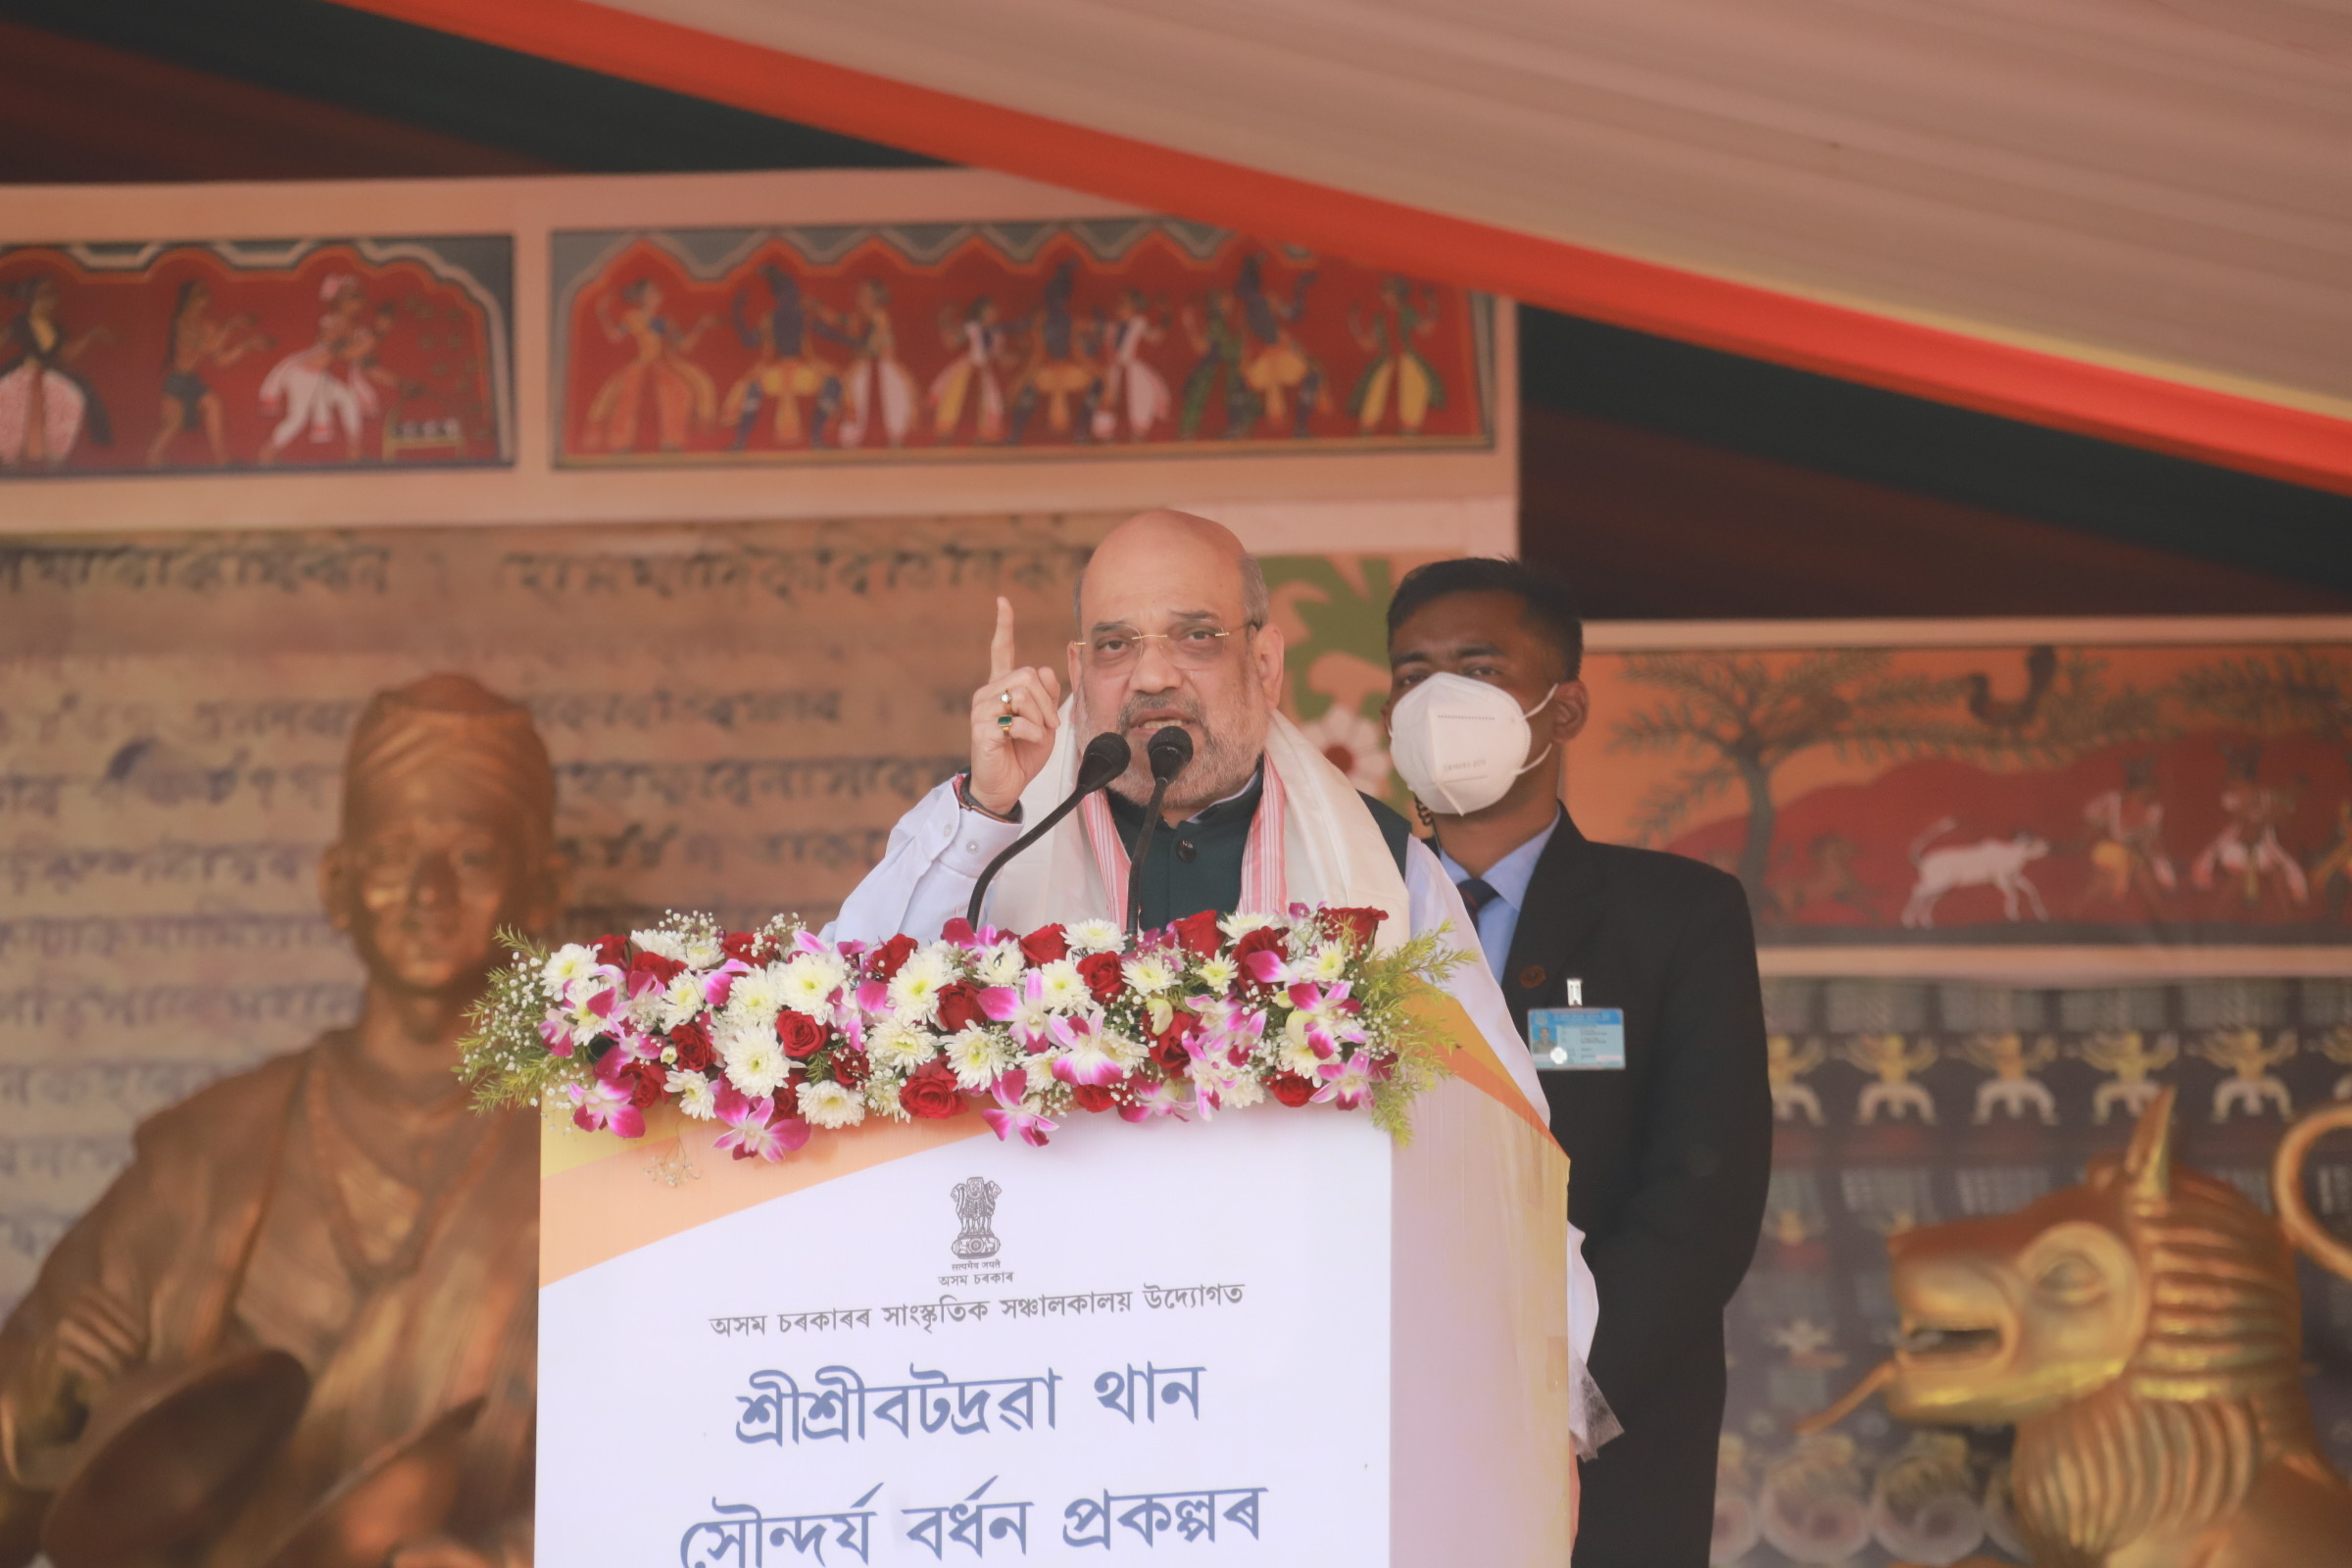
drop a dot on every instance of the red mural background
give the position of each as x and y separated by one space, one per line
907 343
352 354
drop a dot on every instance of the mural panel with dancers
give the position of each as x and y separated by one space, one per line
310 354
1101 337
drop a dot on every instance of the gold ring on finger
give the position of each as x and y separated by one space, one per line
1005 698
1004 723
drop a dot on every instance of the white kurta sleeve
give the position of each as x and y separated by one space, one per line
925 878
1436 904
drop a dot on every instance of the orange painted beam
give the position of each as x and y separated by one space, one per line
2042 388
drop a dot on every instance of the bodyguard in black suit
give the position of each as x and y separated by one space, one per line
1670 1152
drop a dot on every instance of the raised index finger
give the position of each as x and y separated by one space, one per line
1000 647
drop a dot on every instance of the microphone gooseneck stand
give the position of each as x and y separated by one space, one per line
1171 752
1105 758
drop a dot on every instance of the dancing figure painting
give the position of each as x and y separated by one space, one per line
296 354
1102 337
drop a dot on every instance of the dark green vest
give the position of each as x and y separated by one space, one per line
1196 865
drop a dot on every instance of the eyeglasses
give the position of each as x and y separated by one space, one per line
1190 646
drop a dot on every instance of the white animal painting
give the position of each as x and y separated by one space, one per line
1988 863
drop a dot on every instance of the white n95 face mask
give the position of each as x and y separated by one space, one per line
1458 742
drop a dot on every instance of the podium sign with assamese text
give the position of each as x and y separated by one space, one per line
1272 1338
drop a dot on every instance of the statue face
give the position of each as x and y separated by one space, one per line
2012 1315
423 883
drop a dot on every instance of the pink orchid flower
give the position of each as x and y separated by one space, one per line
719 983
1025 1009
873 995
555 1030
1347 1084
1154 1098
958 933
1008 1116
603 1106
1216 1073
1231 1027
1267 967
754 1129
1083 1061
1321 1013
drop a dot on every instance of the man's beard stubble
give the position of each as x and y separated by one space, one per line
1221 762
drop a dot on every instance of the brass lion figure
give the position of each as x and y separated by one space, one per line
2144 1334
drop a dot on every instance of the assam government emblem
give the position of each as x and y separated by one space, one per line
975 1208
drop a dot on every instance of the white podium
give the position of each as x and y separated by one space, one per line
1273 1338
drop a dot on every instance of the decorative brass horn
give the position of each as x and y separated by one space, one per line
2302 1226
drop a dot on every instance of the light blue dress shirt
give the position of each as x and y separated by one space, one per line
1498 921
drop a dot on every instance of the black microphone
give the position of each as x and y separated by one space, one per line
1104 758
1170 751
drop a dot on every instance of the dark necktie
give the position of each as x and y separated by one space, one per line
1476 894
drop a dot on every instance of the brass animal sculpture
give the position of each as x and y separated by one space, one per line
2144 1334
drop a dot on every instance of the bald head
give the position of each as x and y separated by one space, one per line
1166 556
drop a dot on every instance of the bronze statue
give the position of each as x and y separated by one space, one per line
302 1327
2144 1334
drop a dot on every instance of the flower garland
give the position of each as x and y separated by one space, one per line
776 1035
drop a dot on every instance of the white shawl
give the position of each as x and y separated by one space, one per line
1332 849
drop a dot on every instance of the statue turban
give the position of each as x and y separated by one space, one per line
452 724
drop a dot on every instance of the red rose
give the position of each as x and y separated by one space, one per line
1290 1089
663 970
645 1081
1104 974
803 1036
1044 944
787 1101
693 1044
931 1092
1357 925
959 1006
1265 938
738 945
1167 1045
1094 1096
850 1068
1197 934
613 951
890 956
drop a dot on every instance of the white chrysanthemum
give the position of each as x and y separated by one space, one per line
1097 936
755 1064
978 1056
1126 1053
829 1104
1063 987
1239 926
1151 972
703 952
1039 1077
899 1047
696 1095
1327 963
1241 1092
1000 965
681 1000
756 997
809 980
668 944
882 1098
1217 974
568 964
914 989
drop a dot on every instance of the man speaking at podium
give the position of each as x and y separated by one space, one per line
1172 630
